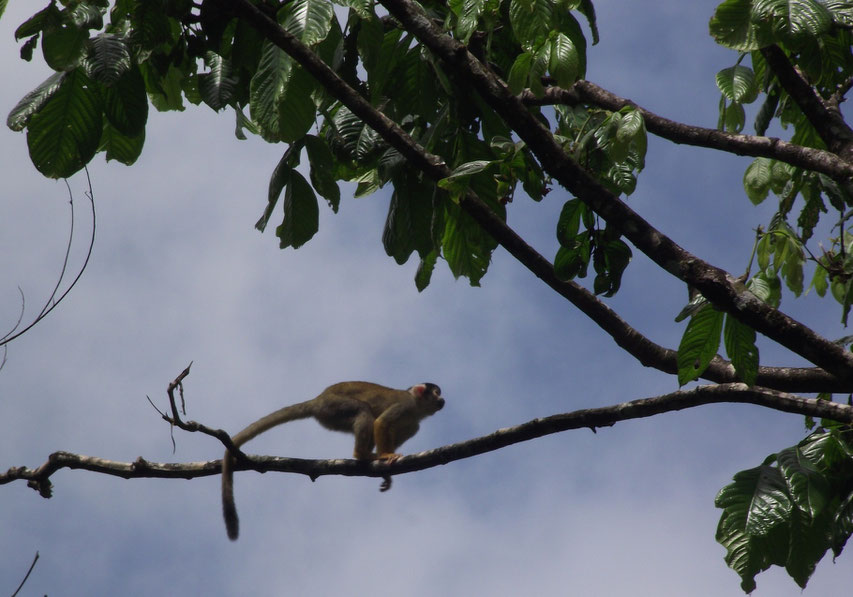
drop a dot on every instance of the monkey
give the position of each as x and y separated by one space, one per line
376 415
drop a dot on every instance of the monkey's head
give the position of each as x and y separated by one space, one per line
428 397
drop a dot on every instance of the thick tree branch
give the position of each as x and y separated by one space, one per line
584 92
714 283
635 343
591 418
828 122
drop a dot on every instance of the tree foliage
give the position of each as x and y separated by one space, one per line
464 106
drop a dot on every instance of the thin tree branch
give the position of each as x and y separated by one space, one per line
828 122
585 92
591 418
719 287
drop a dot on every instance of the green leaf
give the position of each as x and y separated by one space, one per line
65 133
34 101
466 246
792 272
807 486
564 63
569 221
735 118
531 20
820 281
467 17
107 59
121 147
267 87
739 340
699 344
47 18
793 19
732 27
751 528
408 225
572 260
278 180
322 173
126 104
756 179
217 86
301 213
64 47
738 84
519 73
425 269
296 109
309 20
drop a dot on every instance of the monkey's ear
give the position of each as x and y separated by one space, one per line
418 390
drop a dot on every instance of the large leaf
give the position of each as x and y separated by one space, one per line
739 339
126 103
699 344
107 59
466 246
790 19
301 213
64 135
308 20
217 86
732 27
31 103
755 508
64 47
322 173
467 17
738 84
531 21
121 147
296 109
266 89
409 222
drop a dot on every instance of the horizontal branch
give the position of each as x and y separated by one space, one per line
591 418
584 92
717 285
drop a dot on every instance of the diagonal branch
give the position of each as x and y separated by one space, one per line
591 418
828 122
628 338
584 92
715 284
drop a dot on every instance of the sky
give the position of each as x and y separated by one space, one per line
179 274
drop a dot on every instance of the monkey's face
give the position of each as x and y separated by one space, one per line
428 396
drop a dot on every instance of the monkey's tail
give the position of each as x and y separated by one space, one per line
229 508
282 415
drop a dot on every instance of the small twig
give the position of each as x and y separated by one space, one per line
193 426
33 565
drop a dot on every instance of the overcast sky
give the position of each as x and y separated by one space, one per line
178 274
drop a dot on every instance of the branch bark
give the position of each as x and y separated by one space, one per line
828 122
585 92
591 418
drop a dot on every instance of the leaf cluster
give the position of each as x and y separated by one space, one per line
791 509
112 58
816 37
